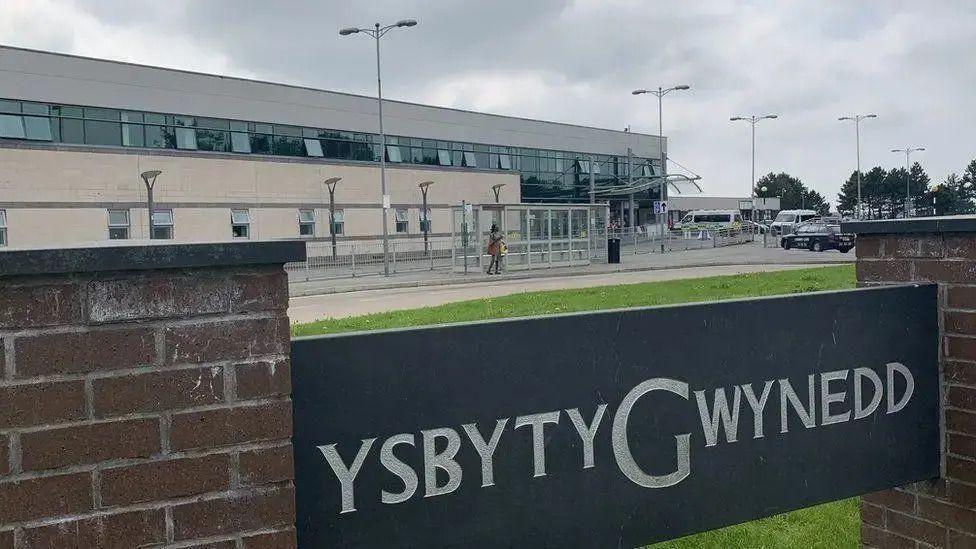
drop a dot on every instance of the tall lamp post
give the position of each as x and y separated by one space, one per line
660 93
377 32
856 118
752 120
424 220
149 177
908 174
331 184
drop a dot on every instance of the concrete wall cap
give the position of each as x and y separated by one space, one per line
147 255
946 224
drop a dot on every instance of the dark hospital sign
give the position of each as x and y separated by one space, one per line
613 429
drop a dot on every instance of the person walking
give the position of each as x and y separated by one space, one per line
495 243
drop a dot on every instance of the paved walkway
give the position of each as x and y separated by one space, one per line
743 254
339 305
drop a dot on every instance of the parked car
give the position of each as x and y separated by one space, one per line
817 237
787 220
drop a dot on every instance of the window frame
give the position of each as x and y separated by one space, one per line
116 226
338 220
308 224
401 217
3 228
236 225
166 226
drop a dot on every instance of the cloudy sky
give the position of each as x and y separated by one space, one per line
913 63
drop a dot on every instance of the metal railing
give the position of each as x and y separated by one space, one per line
647 239
365 258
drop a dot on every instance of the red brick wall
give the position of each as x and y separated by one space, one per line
146 407
939 513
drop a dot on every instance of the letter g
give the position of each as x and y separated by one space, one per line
621 445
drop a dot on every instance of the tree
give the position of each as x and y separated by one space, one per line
952 196
793 194
847 197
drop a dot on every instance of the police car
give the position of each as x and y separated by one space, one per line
818 236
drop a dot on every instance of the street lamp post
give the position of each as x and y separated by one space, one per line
424 220
331 184
908 174
856 118
752 120
149 177
497 189
660 93
377 32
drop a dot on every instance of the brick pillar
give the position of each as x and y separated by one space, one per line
145 397
940 513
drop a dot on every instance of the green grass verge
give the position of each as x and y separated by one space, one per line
832 525
602 297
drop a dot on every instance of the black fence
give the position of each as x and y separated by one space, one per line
613 429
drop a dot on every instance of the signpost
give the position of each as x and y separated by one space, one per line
567 431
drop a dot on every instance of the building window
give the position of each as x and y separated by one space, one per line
338 222
470 160
401 220
118 224
393 153
186 138
3 228
313 147
240 223
306 223
12 126
505 162
425 221
162 225
240 142
444 157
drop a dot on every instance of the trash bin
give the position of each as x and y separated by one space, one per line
613 250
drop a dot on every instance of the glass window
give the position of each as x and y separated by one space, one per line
213 123
12 126
118 224
240 142
3 227
288 146
37 128
444 157
162 224
240 223
313 147
132 116
306 223
238 126
338 222
469 160
160 137
504 162
261 144
103 133
102 114
72 131
132 135
292 131
153 118
401 220
36 108
425 220
186 138
213 140
393 153
9 106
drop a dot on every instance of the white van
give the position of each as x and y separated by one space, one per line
709 219
786 220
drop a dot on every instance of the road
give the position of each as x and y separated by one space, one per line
339 305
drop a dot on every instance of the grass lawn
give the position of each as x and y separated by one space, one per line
832 525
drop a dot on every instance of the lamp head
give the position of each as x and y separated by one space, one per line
870 116
407 23
332 180
845 118
425 184
348 30
638 92
683 87
734 118
150 177
771 116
